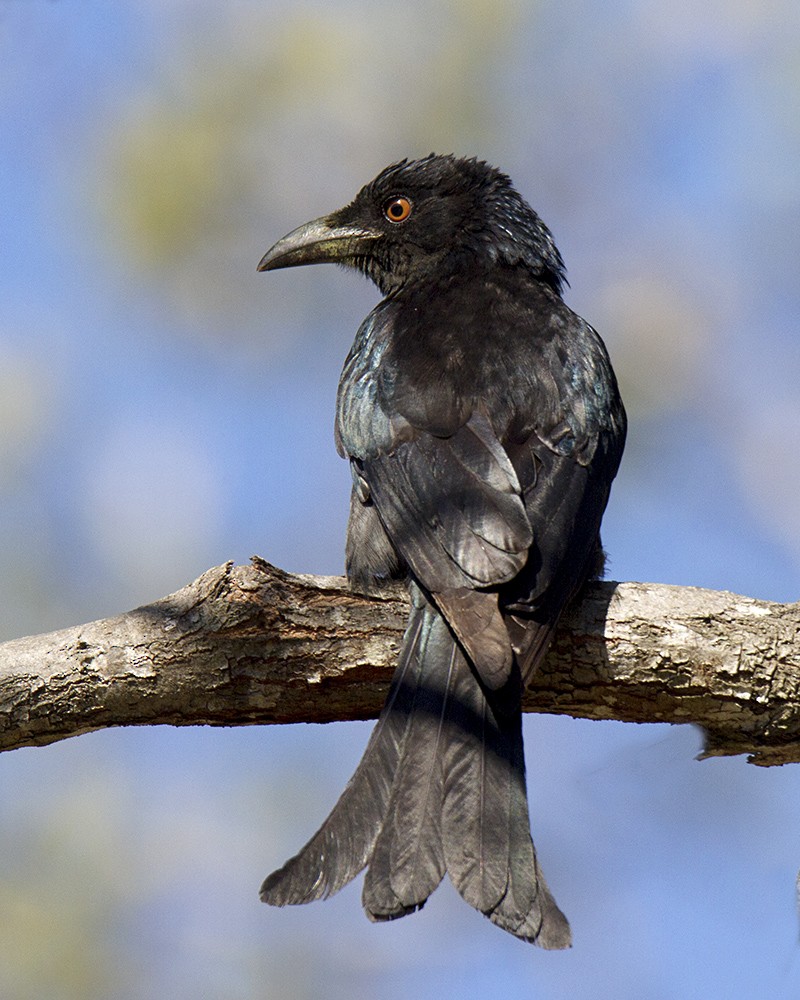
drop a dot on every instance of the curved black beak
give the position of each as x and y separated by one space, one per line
318 242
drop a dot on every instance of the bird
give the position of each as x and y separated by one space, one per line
483 425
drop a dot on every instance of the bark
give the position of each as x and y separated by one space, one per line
252 644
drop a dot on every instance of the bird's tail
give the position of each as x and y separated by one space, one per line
441 787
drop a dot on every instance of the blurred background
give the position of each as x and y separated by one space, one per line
163 408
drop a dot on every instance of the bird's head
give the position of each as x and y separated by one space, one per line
428 217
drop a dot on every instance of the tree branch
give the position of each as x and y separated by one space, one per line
252 644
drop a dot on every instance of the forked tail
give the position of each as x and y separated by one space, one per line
441 787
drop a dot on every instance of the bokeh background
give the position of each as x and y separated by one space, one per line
163 408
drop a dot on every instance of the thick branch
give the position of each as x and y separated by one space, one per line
251 644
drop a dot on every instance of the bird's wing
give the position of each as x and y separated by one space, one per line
475 520
564 500
453 508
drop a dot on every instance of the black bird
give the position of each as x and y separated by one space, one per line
483 426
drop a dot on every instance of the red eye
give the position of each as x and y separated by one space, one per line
397 209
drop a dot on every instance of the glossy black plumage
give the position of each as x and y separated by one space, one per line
483 425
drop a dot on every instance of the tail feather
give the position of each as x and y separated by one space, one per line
441 787
408 861
477 791
527 909
341 847
490 855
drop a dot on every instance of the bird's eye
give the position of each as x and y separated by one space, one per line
397 209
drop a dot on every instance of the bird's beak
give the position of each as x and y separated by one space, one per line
318 242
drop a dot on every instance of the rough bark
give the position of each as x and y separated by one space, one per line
252 644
